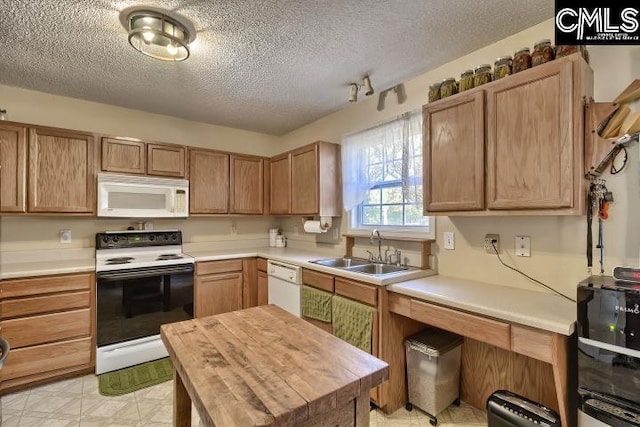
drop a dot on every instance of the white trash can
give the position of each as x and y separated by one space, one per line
433 371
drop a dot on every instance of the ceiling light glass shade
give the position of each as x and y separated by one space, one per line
158 36
353 97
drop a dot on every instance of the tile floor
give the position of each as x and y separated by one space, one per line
76 402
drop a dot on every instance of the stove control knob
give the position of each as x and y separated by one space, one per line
166 237
174 237
105 239
115 239
152 237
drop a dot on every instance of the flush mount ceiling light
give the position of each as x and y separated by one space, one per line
158 33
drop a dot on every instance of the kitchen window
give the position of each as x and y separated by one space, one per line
382 177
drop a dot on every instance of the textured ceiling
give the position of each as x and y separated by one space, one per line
265 65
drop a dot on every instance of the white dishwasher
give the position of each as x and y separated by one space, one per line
284 286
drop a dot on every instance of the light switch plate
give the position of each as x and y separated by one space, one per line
449 240
523 246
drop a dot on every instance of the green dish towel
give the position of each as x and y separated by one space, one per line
352 322
315 303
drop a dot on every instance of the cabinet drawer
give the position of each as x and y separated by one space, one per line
357 291
262 264
43 285
534 343
400 304
214 267
36 330
44 304
49 357
476 327
318 280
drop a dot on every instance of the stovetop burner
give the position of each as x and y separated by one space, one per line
119 260
165 257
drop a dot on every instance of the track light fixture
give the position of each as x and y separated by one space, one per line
355 87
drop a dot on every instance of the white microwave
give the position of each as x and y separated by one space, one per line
127 196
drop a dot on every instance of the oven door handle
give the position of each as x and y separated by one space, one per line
139 273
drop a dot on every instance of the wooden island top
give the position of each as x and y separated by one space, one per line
263 366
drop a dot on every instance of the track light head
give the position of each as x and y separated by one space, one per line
368 89
400 92
354 92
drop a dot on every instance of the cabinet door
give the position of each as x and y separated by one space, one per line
13 161
218 293
208 182
263 289
247 180
280 184
530 139
61 171
122 155
304 180
453 175
166 160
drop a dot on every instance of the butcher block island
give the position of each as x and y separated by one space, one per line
263 366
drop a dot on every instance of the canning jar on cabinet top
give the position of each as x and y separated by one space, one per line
466 81
502 67
521 60
434 92
482 75
448 88
542 52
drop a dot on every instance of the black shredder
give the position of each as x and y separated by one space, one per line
507 409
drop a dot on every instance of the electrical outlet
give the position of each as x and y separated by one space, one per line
488 240
65 236
449 240
523 245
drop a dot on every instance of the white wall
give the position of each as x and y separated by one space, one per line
558 243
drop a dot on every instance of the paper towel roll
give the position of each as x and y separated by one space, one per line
314 227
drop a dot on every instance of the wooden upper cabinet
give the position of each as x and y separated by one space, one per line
280 180
305 178
166 160
13 162
246 185
312 176
532 125
530 146
208 182
61 171
454 154
124 155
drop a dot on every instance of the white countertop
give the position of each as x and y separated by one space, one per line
301 258
535 309
44 268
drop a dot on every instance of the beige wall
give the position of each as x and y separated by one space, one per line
558 243
40 108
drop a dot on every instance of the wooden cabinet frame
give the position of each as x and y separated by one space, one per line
13 160
124 155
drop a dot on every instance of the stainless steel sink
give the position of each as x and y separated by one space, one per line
359 265
341 262
378 269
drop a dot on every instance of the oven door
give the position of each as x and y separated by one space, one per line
132 305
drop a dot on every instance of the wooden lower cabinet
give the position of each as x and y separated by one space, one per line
226 285
262 282
49 322
356 291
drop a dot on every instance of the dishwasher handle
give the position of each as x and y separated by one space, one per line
4 345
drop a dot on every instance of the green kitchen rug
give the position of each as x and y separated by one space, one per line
137 377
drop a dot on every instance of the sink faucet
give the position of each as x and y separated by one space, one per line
375 234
